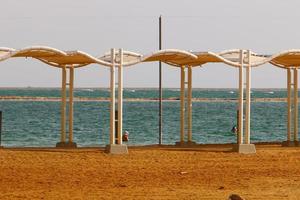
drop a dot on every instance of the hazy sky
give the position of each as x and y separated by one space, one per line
95 26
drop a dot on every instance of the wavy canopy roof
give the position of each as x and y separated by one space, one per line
175 57
52 56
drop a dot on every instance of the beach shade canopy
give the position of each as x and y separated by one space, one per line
172 57
286 59
52 56
229 57
179 58
129 58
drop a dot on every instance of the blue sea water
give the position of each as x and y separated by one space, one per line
142 93
29 123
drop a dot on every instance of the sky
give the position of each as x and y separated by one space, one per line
96 26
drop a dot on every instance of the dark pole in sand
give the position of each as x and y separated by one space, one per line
237 125
160 88
0 128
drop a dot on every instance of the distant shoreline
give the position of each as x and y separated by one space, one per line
85 99
133 88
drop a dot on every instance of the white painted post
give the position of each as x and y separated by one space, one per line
71 86
189 106
241 96
63 104
295 104
289 104
112 98
120 97
248 98
182 104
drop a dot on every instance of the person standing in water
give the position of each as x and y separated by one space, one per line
234 129
125 136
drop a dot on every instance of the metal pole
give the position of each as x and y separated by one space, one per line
116 127
289 105
237 125
112 98
241 96
120 97
71 86
63 105
182 106
160 87
0 128
248 98
189 106
296 105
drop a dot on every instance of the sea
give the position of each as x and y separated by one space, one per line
37 123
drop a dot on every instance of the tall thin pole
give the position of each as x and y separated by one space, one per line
63 105
295 105
241 98
160 88
112 98
182 103
71 94
289 104
248 99
0 128
120 97
189 104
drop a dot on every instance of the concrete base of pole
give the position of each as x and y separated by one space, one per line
244 148
290 144
186 144
116 149
66 145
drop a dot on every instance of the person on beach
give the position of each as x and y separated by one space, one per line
125 136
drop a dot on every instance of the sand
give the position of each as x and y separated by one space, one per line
150 173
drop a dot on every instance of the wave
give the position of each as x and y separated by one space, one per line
88 90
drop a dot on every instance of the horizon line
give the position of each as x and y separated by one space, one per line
212 88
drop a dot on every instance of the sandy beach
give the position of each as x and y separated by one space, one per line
207 172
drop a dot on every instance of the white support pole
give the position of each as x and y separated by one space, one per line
112 98
63 104
189 106
295 104
120 97
289 104
241 96
248 98
182 104
71 87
